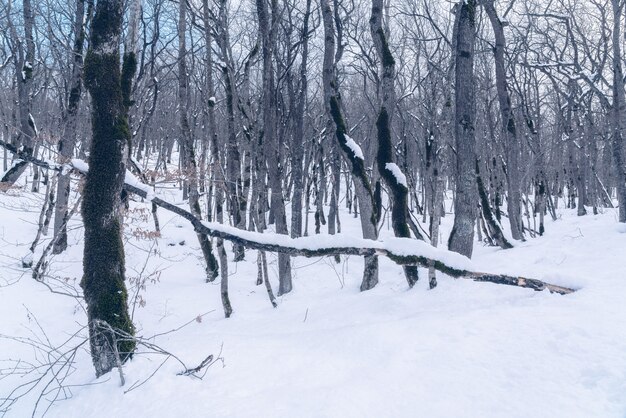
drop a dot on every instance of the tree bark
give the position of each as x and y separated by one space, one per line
509 130
388 169
270 140
298 136
67 143
233 154
462 236
24 69
187 143
618 109
103 261
495 232
363 189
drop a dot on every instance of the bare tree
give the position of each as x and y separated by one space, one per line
618 108
298 135
217 170
24 60
67 142
267 27
187 143
350 149
388 169
509 130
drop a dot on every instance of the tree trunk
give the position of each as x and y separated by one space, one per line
492 226
24 69
388 169
187 143
618 110
270 140
298 137
233 155
333 211
350 151
103 262
462 236
67 143
509 131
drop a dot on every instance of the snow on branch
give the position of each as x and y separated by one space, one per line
354 147
403 251
397 173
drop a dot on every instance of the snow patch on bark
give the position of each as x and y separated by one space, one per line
356 149
80 165
129 178
31 121
397 173
132 180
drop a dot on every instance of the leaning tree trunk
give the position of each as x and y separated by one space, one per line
24 70
103 261
509 131
462 236
68 140
352 154
187 144
495 232
389 171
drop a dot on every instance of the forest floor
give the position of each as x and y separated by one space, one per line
464 349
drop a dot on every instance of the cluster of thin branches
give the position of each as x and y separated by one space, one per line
46 379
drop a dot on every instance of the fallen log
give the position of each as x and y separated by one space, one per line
403 251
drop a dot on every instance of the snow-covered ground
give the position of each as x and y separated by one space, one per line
465 349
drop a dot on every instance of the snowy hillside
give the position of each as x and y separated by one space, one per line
464 349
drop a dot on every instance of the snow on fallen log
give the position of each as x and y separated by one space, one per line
403 251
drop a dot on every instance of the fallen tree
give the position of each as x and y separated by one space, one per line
403 251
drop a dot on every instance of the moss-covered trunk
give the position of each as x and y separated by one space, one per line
104 270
